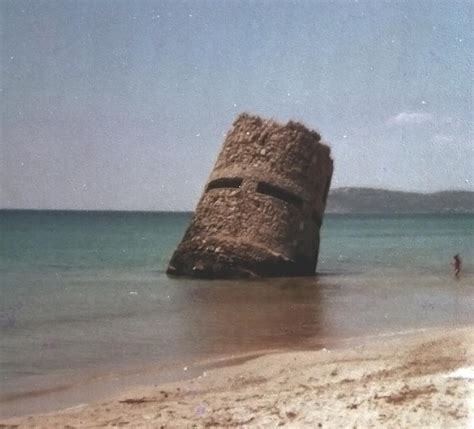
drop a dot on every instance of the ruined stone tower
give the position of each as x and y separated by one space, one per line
262 207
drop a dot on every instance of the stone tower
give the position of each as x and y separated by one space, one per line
262 206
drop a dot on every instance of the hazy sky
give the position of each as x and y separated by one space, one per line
123 104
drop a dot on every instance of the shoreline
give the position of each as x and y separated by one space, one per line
388 380
97 387
93 385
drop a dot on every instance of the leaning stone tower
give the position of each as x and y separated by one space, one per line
262 206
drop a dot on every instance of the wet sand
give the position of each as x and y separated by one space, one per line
422 378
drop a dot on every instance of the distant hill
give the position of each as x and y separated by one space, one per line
368 200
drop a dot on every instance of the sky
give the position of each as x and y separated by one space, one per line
123 105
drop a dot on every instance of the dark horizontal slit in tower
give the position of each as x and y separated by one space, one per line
281 194
326 190
225 182
316 218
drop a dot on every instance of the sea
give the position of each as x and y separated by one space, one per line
86 305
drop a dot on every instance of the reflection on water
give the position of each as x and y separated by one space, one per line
50 323
231 316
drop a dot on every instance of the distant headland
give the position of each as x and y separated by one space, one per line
370 200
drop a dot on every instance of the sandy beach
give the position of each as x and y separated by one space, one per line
413 379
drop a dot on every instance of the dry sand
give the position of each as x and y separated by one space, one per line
422 379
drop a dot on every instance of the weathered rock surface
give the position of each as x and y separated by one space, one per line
262 207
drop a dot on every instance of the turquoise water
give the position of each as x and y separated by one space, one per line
82 293
108 241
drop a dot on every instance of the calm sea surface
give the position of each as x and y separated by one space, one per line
84 293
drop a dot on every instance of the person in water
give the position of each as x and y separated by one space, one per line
456 264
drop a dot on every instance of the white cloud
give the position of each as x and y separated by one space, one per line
408 118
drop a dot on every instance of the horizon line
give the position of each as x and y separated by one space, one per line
3 209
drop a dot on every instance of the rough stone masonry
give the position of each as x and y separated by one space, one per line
262 207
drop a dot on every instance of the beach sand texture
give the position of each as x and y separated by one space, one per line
419 379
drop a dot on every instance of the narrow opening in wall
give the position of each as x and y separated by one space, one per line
225 182
326 190
281 194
